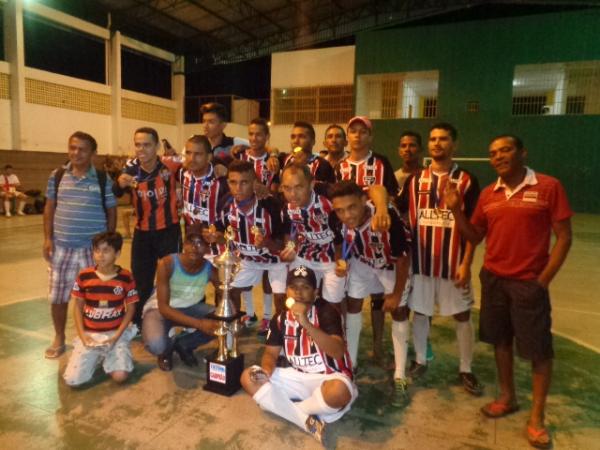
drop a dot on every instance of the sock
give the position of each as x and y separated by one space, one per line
272 399
353 327
420 334
466 341
315 404
21 206
6 206
247 302
400 342
267 306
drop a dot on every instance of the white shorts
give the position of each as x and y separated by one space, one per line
84 360
364 280
299 386
333 286
426 292
251 274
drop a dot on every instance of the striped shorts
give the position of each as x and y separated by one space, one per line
66 265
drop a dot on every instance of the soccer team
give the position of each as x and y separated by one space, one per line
326 232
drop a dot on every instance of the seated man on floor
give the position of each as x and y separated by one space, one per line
318 387
105 298
179 301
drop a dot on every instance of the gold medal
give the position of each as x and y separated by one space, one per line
342 264
212 229
290 245
289 302
255 230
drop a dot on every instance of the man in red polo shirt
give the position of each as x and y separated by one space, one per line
517 216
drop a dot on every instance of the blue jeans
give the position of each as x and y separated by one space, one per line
155 329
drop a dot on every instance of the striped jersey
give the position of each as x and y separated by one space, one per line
154 196
320 168
265 215
372 169
314 228
263 174
378 249
105 302
437 246
300 349
79 214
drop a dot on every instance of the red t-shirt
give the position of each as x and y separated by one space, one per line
518 229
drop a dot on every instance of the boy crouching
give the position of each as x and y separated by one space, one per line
105 297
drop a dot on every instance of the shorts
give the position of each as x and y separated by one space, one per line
84 360
333 286
251 274
518 309
63 270
425 292
299 386
364 280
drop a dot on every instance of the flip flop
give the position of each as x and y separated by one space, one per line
496 409
538 438
55 352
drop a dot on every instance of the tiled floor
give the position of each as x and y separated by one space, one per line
170 410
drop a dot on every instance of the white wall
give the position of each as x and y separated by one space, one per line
5 130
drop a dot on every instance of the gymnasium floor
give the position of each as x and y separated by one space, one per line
170 410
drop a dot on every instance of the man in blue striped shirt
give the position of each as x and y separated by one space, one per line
74 212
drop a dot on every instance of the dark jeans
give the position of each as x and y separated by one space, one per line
146 249
155 330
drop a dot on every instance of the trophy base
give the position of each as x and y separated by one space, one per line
223 377
237 315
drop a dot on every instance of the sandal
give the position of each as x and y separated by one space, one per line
54 352
496 409
538 438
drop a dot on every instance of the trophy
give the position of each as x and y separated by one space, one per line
223 370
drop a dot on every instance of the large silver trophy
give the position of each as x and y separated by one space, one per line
225 368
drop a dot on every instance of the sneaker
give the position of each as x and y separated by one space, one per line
416 370
264 327
20 213
165 361
430 355
470 383
316 427
400 397
249 321
8 214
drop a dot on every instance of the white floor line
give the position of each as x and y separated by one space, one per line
578 311
28 333
577 341
22 300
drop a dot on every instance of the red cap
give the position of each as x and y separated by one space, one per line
362 119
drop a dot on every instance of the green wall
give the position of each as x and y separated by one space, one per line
476 61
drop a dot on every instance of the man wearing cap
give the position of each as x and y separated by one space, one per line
374 173
317 388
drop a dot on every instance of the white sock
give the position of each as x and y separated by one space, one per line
272 399
267 306
353 327
420 335
400 342
6 206
315 404
21 206
466 342
247 302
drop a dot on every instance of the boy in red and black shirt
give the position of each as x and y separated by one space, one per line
105 297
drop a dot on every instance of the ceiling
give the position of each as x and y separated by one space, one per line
225 31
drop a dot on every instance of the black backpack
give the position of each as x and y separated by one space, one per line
101 174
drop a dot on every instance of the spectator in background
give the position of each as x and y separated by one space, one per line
214 121
9 185
335 143
410 149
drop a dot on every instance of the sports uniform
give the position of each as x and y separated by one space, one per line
263 174
372 169
320 169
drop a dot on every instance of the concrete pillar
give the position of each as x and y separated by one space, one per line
15 54
115 94
178 95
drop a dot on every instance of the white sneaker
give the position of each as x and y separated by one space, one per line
8 214
20 213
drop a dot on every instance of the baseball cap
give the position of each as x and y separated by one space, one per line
303 273
362 119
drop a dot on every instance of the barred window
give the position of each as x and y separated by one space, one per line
557 88
317 104
407 95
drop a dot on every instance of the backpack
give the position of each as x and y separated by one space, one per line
101 175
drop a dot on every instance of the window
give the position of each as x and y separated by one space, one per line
409 95
144 73
557 88
317 104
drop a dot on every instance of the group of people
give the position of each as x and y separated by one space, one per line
323 233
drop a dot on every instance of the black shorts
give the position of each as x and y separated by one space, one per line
518 309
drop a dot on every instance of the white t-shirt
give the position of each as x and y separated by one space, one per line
9 183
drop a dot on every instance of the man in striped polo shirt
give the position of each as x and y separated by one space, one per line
74 213
441 258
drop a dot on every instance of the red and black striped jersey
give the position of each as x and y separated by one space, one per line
265 214
320 168
378 249
437 246
372 169
300 349
314 228
263 174
105 302
154 194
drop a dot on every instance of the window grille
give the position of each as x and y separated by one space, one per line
316 104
